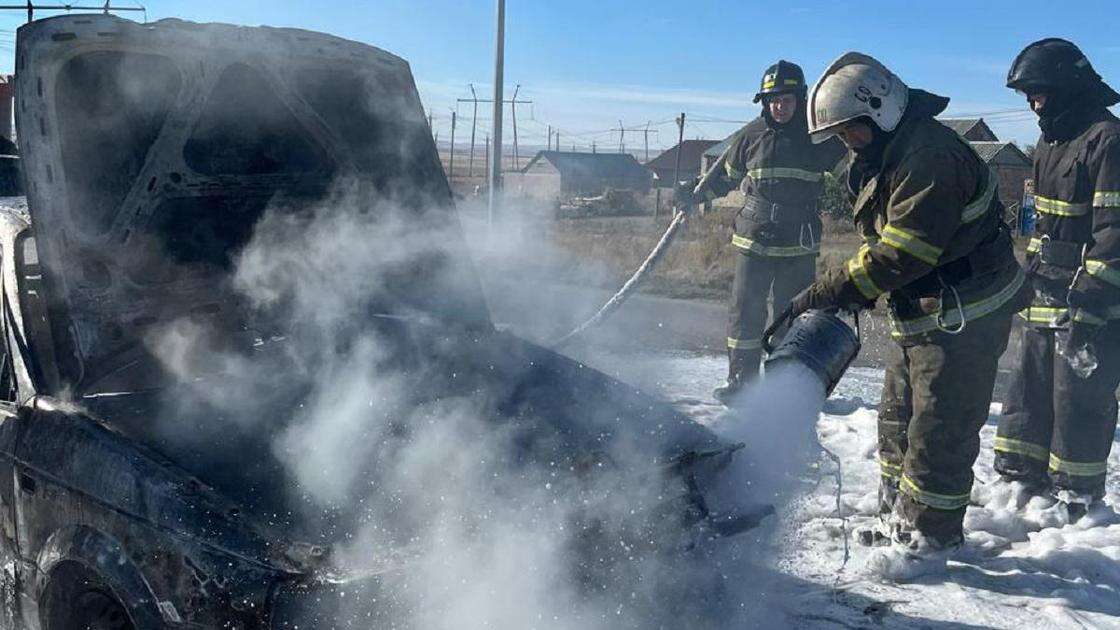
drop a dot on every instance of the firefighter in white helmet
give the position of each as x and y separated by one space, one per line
926 207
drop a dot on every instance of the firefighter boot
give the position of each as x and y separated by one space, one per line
742 368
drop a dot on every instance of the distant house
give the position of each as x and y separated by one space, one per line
971 129
1011 165
691 152
560 174
713 153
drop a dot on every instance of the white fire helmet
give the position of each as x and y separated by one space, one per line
855 85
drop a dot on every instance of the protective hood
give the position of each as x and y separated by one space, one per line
153 150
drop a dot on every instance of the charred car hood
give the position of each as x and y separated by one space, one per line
555 412
152 150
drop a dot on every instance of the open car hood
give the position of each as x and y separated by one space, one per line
152 150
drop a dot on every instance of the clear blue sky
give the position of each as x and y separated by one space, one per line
587 64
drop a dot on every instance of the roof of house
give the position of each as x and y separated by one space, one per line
691 151
970 126
718 148
604 165
988 151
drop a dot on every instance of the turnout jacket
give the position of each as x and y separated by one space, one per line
931 221
781 172
1075 253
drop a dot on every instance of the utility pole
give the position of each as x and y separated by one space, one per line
593 146
474 100
677 166
647 141
549 147
495 159
513 119
474 124
451 160
487 154
621 138
430 128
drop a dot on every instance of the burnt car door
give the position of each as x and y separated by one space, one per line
11 564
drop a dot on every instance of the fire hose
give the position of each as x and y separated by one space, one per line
679 216
627 289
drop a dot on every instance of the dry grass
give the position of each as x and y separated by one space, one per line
699 264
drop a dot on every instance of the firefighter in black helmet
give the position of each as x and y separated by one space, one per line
1059 420
777 231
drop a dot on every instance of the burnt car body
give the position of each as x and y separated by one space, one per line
149 153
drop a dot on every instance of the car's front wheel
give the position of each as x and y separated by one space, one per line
77 600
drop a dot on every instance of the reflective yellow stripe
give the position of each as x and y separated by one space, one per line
952 318
784 173
1045 315
887 469
1049 315
1060 208
744 344
905 241
1077 469
980 205
933 499
732 172
857 271
751 246
767 85
1026 449
1034 245
1107 199
1103 271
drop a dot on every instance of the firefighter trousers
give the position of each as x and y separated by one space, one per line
936 396
1055 421
757 279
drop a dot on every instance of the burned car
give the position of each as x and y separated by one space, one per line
142 487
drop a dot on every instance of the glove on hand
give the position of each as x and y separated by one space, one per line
833 291
684 193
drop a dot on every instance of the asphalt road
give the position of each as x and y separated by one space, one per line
545 312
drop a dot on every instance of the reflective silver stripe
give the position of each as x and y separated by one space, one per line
933 499
1034 245
1060 208
1103 271
1107 199
1077 469
981 204
905 241
1019 447
784 173
952 319
753 247
857 271
744 344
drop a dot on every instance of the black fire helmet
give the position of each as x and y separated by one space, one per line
1054 65
782 77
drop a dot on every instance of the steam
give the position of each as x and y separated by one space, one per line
438 489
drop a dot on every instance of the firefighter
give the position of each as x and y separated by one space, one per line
1059 421
777 231
927 209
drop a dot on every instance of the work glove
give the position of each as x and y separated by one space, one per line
832 292
684 194
1076 345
